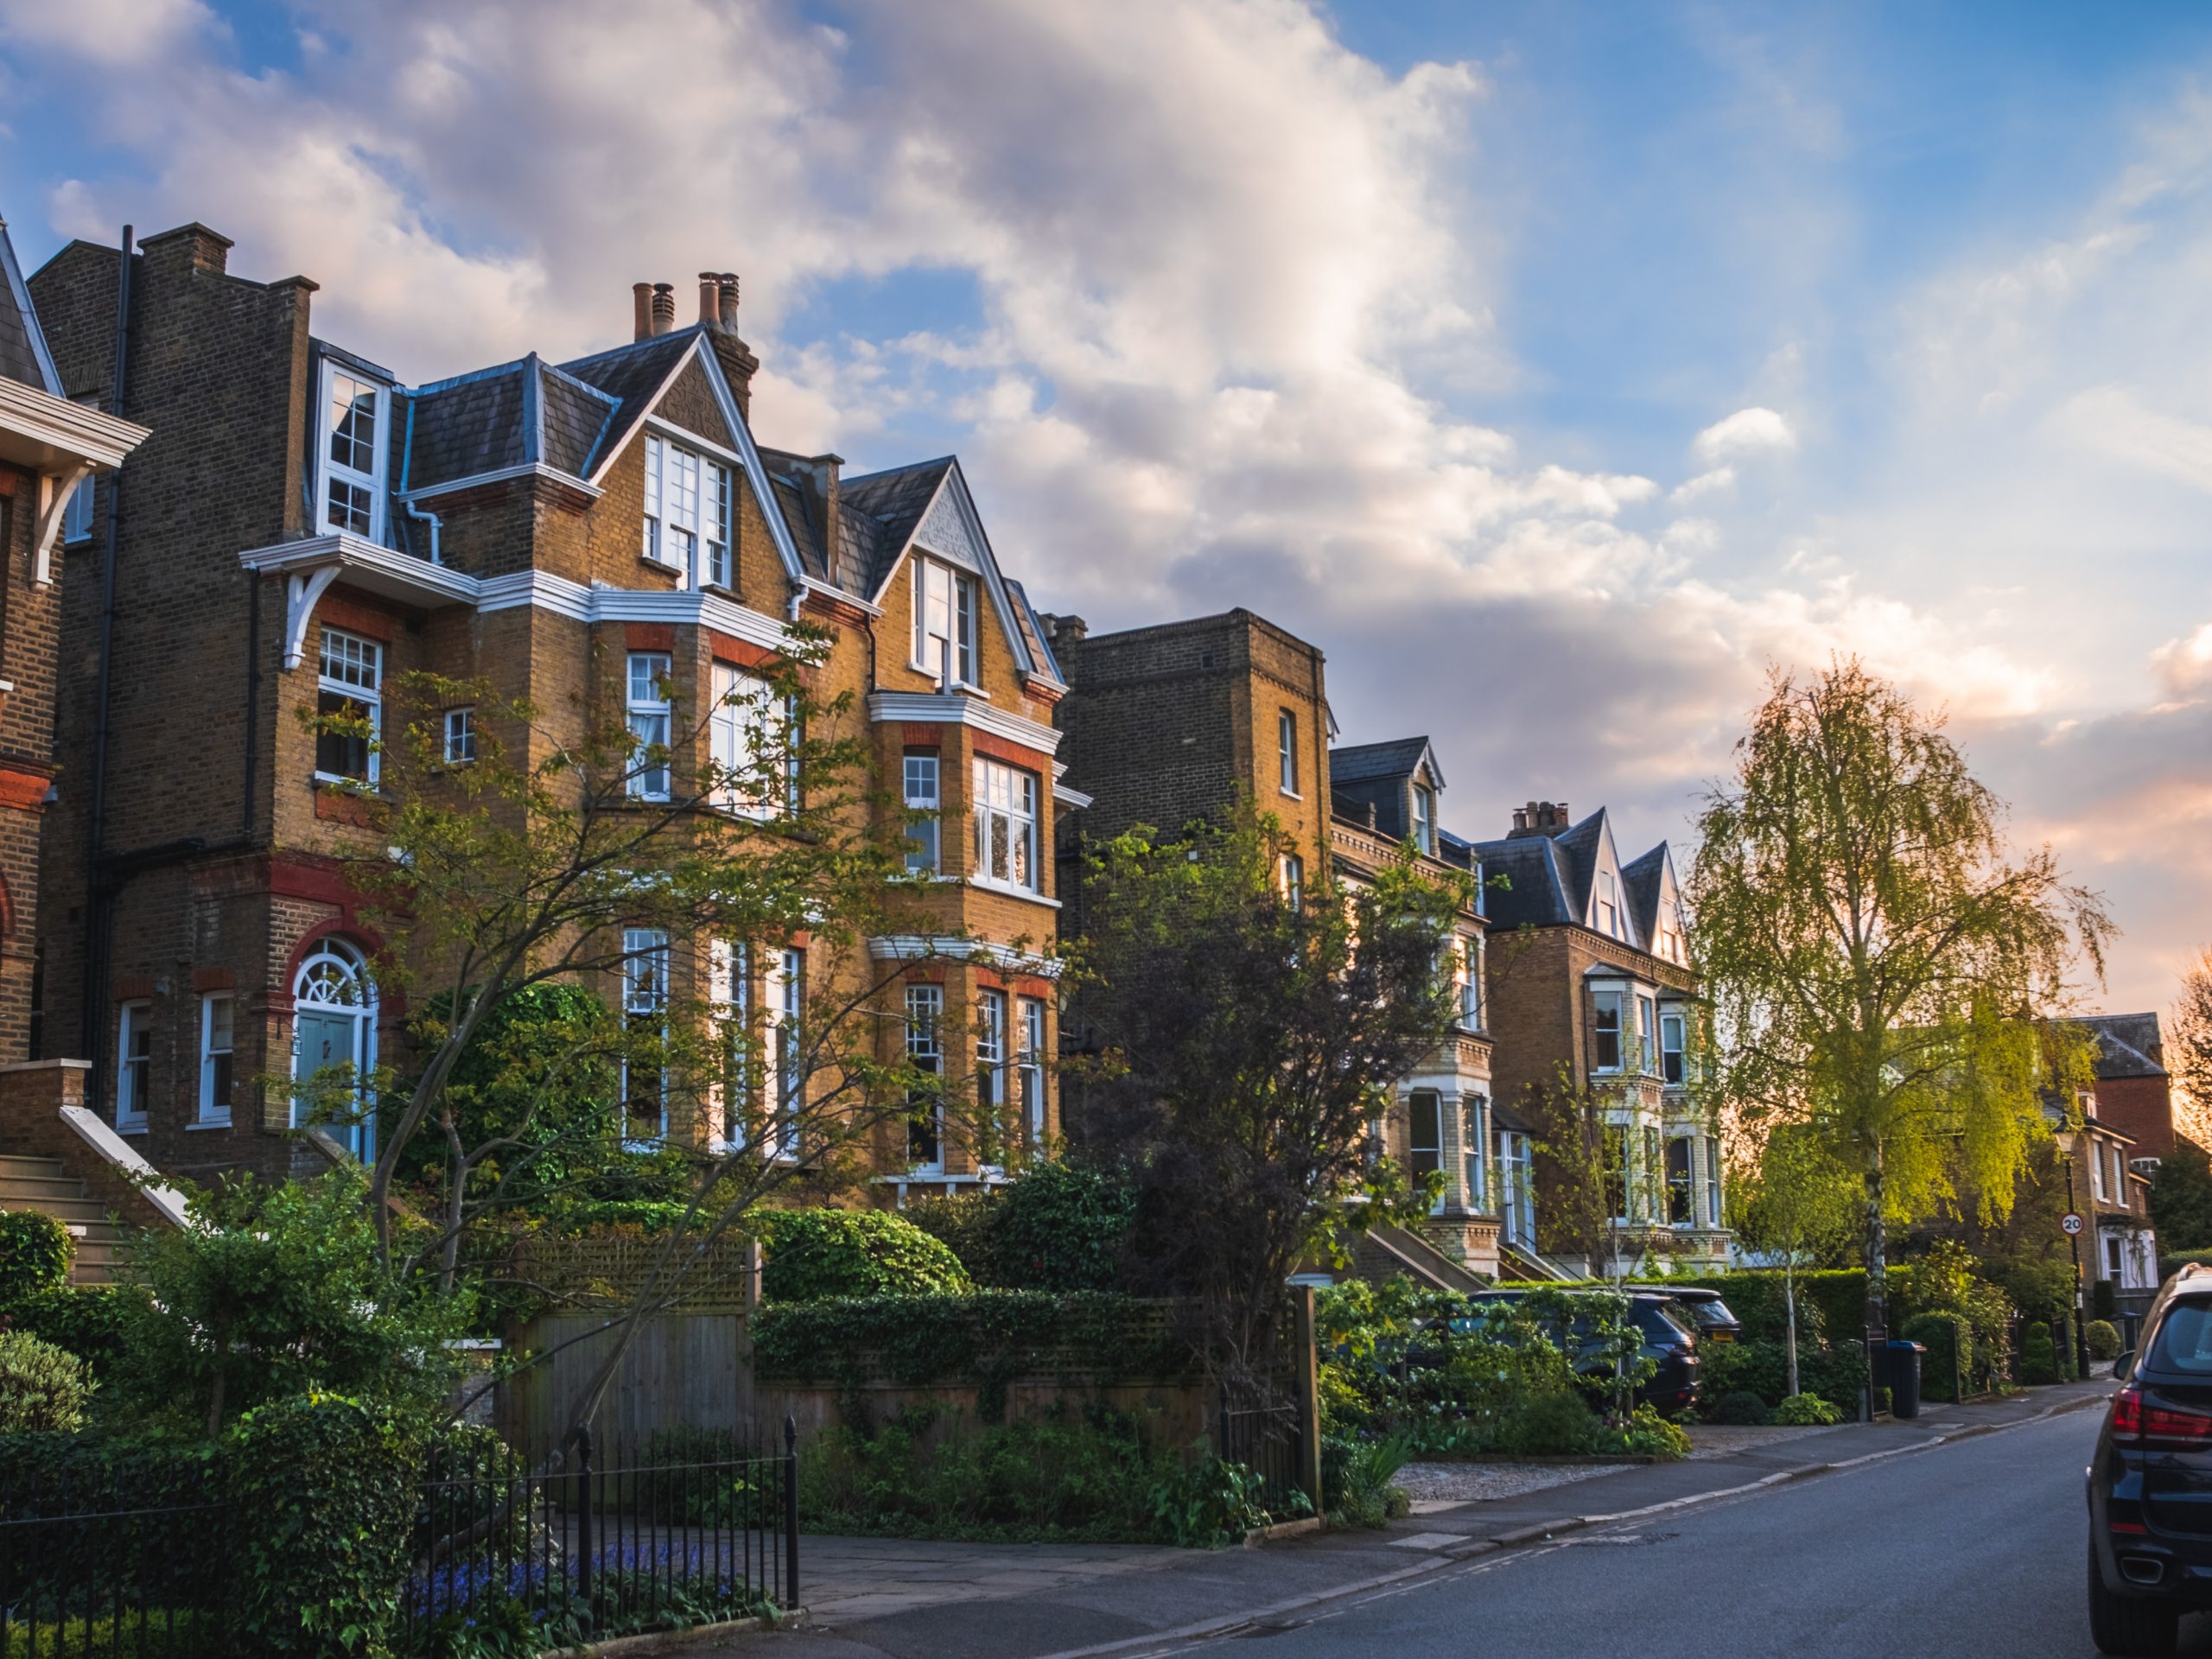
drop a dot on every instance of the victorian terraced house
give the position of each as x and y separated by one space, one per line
603 533
1590 981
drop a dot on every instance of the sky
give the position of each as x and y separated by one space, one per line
1562 370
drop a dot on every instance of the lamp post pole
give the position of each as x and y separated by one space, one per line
2081 1337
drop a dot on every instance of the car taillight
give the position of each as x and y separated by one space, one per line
2138 1423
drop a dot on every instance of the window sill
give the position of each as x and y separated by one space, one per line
365 787
961 688
1289 794
135 1126
1008 890
206 1123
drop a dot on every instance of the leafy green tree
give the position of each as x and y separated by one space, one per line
1793 1200
1882 966
1244 1040
2181 1199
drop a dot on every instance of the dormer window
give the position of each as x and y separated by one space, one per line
944 622
350 486
1425 819
1608 905
688 513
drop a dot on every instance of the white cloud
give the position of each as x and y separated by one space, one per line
2184 665
113 34
1747 432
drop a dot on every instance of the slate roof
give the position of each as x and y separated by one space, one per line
1362 762
1032 631
1642 878
512 415
1535 891
2125 1044
23 356
895 500
630 375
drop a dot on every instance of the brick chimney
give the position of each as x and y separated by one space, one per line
1540 818
188 247
739 364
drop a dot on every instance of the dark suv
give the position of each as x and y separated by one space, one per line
2150 1480
1668 1343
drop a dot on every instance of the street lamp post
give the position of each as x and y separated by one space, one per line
2080 1335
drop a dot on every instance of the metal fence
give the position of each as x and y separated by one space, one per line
688 1527
1267 1439
149 1583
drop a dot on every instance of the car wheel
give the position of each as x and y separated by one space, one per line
2123 1624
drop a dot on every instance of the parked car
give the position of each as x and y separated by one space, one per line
1709 1316
1669 1342
2151 1478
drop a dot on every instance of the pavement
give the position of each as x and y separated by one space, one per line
866 1597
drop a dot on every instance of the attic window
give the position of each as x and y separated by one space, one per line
1425 819
351 451
944 622
1608 905
688 508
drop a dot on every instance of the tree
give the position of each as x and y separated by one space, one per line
2181 1199
1243 1043
1882 967
2189 1050
568 855
1793 1200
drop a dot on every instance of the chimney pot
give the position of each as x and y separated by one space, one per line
641 306
726 286
664 306
710 298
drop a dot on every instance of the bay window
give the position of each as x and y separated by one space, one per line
925 1107
990 1066
1424 1133
648 716
1006 825
746 728
925 800
787 1001
1605 1026
1646 1044
1474 1136
1682 1187
645 1023
944 622
1031 1061
1673 1065
726 1011
1712 1180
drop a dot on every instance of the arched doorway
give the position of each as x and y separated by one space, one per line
335 1024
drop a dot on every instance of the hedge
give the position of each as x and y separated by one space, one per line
984 1339
813 1254
1831 1302
1938 1333
35 1251
88 1320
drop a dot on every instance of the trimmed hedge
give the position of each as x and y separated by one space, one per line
813 1254
1831 1303
35 1251
1938 1333
983 1339
88 1320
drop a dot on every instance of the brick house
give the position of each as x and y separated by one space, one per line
2134 1093
1591 990
2126 1126
602 534
1164 725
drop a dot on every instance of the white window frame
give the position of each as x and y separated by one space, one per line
2097 1171
1286 753
1647 1035
1468 976
460 735
1029 1062
1474 1138
1687 1139
647 960
1516 1187
1424 819
1005 796
785 1013
993 1077
650 720
726 1010
77 516
336 977
1608 905
212 1111
1601 1001
1293 877
923 783
690 499
1433 1150
925 1052
947 601
743 724
355 672
134 1070
330 471
1712 1173
1625 1129
1675 1027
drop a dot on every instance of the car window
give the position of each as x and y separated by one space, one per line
1713 1311
2184 1341
1656 1323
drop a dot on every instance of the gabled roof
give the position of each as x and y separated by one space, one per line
23 355
632 377
1533 892
1551 876
2127 1045
1400 757
1647 879
892 503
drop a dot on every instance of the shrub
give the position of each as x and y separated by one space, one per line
1831 1303
1646 1434
1061 1227
2038 1361
329 1487
2104 1301
1356 1476
1938 1333
1208 1504
35 1251
814 1253
1547 1425
967 1224
1743 1409
42 1388
90 1320
1806 1411
2103 1338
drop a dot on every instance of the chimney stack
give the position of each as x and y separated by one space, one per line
710 299
726 289
664 306
641 307
739 364
1540 818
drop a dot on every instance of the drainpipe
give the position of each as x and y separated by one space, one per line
97 912
406 464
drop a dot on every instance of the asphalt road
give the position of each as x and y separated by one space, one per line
1975 1549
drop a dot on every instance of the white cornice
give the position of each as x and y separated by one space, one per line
499 475
913 947
49 434
953 709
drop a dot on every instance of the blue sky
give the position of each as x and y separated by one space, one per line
1559 368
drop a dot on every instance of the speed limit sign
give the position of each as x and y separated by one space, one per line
2070 1224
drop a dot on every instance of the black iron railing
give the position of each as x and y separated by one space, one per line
613 1537
1266 1438
148 1583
